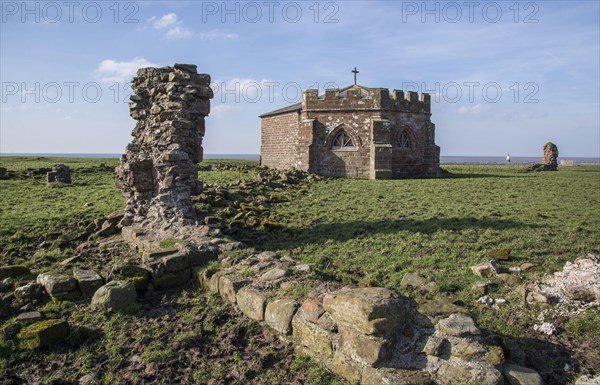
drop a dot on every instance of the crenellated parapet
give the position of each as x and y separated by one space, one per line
362 98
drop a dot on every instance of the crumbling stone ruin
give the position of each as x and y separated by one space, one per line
60 173
355 132
550 156
159 171
366 335
550 160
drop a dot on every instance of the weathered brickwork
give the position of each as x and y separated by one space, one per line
385 135
280 136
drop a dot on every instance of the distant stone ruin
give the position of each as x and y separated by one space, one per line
550 160
550 156
60 173
159 171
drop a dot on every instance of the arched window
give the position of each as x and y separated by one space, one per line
342 141
403 140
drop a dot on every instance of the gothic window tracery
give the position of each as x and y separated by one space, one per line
342 141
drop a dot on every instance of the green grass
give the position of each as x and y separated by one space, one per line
353 231
30 210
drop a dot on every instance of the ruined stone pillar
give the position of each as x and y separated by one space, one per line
159 170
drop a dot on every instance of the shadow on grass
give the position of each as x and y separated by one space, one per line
341 232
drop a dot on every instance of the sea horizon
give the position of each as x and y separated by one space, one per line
444 159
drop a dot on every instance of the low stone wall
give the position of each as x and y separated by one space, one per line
366 335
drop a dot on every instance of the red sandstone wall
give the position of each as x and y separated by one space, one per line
279 136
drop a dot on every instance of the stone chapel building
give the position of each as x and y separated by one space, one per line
354 132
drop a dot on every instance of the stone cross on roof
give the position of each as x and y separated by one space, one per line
354 71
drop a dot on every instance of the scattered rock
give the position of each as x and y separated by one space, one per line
55 283
88 281
302 268
518 375
43 333
527 266
29 291
69 260
10 330
26 308
485 300
509 279
273 275
29 317
114 296
60 173
412 280
6 284
481 288
458 325
13 271
485 270
90 379
546 328
108 228
588 380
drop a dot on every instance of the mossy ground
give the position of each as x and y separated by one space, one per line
352 231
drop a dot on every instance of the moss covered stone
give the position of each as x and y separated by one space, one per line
43 333
13 271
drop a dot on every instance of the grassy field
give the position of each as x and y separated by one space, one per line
369 232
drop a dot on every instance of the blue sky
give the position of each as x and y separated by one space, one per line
506 76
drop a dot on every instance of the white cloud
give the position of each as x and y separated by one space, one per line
121 71
173 28
178 33
243 90
222 109
473 110
215 34
168 20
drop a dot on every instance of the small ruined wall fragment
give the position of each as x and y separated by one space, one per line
550 160
60 173
159 170
550 156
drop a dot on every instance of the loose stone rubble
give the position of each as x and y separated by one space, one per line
570 291
60 173
368 335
